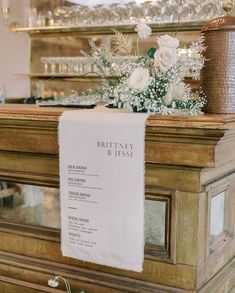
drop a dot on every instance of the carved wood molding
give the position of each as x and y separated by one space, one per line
207 121
22 285
197 141
34 231
78 275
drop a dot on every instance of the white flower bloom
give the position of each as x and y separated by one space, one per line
179 91
53 282
143 30
175 92
168 42
167 99
178 112
184 71
165 58
139 79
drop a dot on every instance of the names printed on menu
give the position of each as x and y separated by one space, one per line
81 232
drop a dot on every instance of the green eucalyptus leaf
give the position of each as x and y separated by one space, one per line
151 52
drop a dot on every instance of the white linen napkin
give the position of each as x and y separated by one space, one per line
102 187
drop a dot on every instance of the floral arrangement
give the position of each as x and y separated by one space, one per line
153 83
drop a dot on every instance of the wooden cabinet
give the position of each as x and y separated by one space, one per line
190 167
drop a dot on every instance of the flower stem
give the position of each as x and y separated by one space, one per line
178 15
137 45
67 285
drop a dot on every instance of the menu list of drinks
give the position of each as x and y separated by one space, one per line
102 187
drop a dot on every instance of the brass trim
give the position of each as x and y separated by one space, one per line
94 30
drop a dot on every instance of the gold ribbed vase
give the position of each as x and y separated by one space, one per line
218 76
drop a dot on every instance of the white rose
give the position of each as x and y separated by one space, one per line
53 282
165 58
168 42
139 79
143 30
176 91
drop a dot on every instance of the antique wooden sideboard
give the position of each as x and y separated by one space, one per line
190 167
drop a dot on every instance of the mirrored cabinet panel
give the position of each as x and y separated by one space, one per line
155 222
29 204
40 206
217 215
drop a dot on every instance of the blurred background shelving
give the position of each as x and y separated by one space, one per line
67 28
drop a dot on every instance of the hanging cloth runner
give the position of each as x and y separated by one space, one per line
102 187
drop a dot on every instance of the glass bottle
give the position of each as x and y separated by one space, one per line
2 94
40 88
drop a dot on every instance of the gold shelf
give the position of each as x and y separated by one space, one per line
94 30
58 75
75 77
48 76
